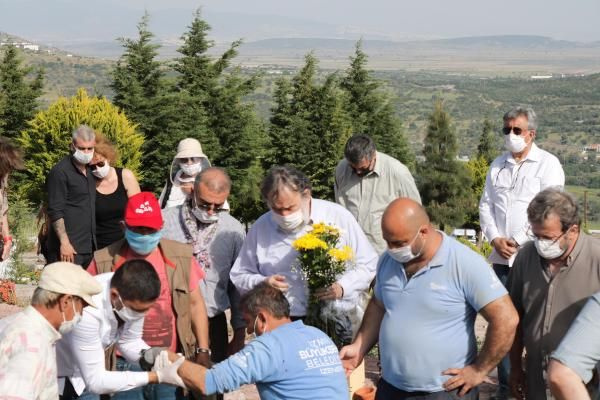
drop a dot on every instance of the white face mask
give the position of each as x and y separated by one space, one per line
102 172
549 249
204 217
83 158
404 254
291 222
514 143
191 169
67 326
127 314
254 334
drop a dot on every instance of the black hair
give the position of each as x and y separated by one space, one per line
136 280
358 148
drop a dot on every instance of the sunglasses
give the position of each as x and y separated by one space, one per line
188 159
516 130
99 164
206 206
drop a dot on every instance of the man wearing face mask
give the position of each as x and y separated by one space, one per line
550 281
71 203
513 179
27 339
177 320
216 238
286 360
118 319
428 291
267 254
366 181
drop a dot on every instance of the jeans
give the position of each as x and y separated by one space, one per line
385 391
148 392
504 366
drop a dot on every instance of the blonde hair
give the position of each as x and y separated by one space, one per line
106 149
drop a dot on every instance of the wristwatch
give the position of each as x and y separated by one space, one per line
203 350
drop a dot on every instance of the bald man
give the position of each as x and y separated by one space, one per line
429 289
217 238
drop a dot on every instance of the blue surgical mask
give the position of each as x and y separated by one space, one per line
142 244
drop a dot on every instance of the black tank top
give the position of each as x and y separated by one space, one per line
110 209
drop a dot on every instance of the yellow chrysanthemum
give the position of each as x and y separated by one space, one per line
309 242
343 254
322 228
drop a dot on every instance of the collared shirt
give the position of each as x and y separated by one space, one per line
293 361
549 304
428 325
268 250
367 197
80 353
72 197
509 188
27 357
219 294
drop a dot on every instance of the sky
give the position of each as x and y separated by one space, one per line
390 19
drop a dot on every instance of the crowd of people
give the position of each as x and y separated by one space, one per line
133 299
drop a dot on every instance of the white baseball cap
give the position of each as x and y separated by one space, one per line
68 278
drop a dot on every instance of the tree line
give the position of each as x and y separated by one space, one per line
156 104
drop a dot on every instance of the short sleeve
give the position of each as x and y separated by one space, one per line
481 286
196 274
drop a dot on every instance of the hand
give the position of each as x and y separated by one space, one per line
505 247
351 358
67 252
335 291
167 370
278 282
464 378
149 356
186 188
237 342
517 384
203 359
6 249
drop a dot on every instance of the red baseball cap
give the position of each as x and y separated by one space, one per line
143 210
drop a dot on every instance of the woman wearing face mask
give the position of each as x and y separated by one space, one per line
114 186
267 253
188 163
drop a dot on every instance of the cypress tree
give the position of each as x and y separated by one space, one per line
488 146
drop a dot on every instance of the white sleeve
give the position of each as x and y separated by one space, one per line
358 277
88 354
244 273
130 342
486 210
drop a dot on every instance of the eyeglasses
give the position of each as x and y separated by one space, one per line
513 181
515 129
534 236
206 206
186 160
99 164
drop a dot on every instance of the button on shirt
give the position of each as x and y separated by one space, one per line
72 197
27 357
367 197
428 325
81 352
268 250
548 305
509 188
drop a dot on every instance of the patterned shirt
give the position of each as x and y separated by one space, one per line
28 357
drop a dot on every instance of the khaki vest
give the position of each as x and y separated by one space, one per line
177 258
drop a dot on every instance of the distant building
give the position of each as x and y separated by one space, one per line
33 47
592 147
541 76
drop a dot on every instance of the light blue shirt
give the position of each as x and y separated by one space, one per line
267 250
294 361
428 325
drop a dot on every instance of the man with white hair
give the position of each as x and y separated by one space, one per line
27 339
72 203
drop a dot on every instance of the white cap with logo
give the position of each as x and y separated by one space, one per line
68 278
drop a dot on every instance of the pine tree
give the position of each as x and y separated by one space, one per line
18 92
487 147
310 126
372 109
444 182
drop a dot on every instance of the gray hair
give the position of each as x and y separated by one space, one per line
280 176
266 298
554 201
527 112
219 182
46 298
84 132
358 148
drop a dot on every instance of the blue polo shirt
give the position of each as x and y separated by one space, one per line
428 325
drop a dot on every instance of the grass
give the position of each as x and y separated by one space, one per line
593 203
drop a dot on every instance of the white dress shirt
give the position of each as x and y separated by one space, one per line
509 188
268 250
28 357
80 353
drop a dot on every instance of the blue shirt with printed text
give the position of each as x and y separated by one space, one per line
428 325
